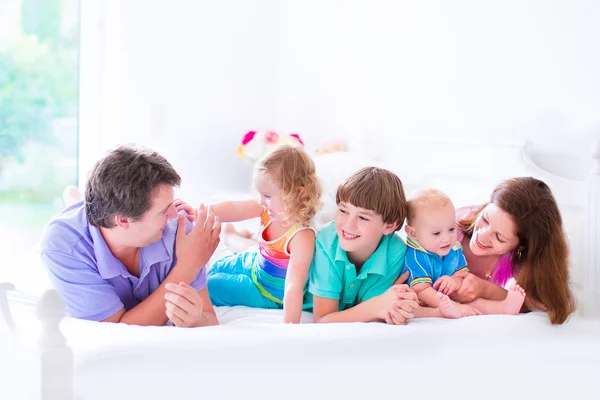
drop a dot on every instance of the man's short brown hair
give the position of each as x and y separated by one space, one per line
123 183
378 190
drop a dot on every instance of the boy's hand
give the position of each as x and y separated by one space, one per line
397 297
447 284
192 213
401 311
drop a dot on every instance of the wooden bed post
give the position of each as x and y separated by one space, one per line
592 284
56 358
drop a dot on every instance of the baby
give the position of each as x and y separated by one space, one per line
434 257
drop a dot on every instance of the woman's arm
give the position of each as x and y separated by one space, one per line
473 287
301 248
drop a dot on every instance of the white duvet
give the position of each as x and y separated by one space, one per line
252 355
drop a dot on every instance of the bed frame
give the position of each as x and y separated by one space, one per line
578 198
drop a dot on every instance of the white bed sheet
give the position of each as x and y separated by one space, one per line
253 355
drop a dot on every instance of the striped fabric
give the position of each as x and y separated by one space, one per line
270 268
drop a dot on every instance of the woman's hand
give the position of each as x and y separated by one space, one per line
470 288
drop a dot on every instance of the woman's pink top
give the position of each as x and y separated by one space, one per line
504 269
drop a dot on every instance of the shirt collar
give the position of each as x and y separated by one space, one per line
417 246
110 267
375 264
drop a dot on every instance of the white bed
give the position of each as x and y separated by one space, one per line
253 355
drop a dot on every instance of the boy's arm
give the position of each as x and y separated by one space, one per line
374 309
326 310
301 248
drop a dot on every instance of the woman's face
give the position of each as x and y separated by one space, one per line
495 232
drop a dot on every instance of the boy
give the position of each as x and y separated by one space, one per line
434 261
358 256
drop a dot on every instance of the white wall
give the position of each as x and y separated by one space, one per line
436 68
190 77
193 77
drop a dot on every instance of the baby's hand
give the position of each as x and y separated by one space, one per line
192 213
447 284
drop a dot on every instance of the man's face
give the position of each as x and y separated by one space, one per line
150 227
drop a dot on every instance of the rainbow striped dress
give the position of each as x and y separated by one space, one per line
270 265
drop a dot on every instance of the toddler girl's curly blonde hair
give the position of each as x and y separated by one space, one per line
292 169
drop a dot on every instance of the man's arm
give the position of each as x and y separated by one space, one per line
151 311
189 308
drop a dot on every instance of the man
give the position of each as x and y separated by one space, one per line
123 255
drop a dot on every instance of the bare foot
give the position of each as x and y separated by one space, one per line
447 307
514 300
467 310
230 229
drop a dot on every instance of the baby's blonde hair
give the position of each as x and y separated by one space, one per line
294 171
426 198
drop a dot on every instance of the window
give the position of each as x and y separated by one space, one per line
39 52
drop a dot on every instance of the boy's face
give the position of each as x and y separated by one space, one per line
360 230
435 229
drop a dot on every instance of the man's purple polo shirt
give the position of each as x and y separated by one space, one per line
92 282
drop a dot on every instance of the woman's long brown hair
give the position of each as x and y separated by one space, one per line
541 266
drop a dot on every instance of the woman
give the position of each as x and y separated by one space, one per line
517 234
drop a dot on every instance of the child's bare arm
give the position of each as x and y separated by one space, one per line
231 211
427 294
301 248
374 309
227 211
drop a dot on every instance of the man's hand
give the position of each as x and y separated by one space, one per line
447 284
180 205
184 306
194 249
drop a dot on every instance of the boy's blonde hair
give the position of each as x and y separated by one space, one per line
375 189
426 198
294 171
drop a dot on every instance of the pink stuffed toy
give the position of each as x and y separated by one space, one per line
255 144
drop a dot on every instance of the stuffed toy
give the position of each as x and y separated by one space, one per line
255 144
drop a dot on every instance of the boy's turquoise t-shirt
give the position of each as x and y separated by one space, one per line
333 276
